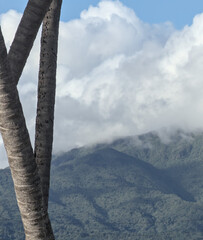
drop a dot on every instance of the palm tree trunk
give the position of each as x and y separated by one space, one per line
20 155
46 95
26 34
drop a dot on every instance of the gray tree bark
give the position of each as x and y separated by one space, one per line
30 177
20 155
26 34
46 95
25 172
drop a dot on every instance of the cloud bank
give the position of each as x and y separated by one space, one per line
117 76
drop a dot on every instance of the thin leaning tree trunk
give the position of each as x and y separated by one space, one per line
46 95
20 155
25 35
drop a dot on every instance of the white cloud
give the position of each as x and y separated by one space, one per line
9 22
118 76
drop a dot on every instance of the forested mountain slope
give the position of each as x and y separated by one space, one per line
134 188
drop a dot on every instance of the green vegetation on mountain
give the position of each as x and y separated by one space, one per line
134 188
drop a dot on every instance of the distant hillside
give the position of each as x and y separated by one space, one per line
134 188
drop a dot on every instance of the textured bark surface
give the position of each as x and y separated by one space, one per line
26 34
46 95
20 155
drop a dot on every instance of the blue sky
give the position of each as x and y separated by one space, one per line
179 12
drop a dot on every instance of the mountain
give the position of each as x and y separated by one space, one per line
135 188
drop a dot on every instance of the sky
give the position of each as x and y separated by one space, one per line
179 12
124 68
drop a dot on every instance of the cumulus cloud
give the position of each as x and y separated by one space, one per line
118 76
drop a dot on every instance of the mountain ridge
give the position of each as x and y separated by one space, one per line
121 190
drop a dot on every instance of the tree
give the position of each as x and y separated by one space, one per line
46 95
30 172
